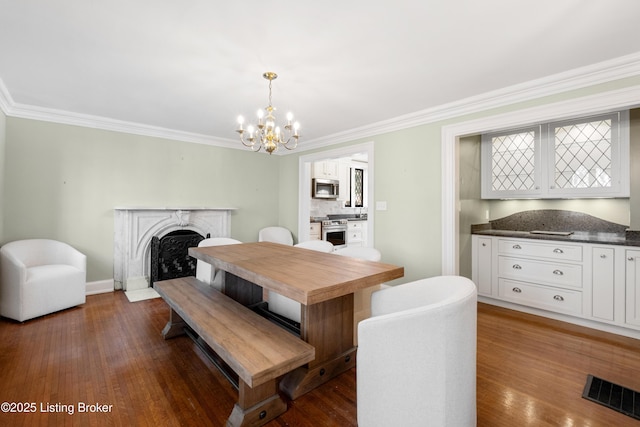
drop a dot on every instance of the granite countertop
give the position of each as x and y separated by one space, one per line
583 228
576 237
348 217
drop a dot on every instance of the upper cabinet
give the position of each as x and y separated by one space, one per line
326 169
580 158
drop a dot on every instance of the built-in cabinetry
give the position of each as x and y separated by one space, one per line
594 284
357 233
315 231
633 287
326 169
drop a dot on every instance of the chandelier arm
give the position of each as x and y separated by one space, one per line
251 144
286 144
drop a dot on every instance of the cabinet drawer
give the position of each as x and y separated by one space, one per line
552 273
315 227
548 298
560 252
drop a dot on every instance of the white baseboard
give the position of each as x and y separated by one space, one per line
100 287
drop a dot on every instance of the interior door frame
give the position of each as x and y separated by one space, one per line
304 185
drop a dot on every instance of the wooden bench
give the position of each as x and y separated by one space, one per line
258 351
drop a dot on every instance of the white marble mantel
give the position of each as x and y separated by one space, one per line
135 226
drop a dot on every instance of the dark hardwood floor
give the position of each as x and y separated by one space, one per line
531 372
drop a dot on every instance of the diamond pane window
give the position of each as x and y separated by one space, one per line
571 158
513 164
358 189
583 155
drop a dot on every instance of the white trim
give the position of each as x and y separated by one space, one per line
593 104
602 72
304 189
100 287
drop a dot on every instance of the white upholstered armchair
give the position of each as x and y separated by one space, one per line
40 276
416 362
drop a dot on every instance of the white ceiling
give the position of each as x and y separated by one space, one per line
193 66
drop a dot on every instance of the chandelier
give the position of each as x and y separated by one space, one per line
266 134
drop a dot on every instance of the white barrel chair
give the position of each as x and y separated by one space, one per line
285 306
40 276
276 234
205 271
362 297
416 362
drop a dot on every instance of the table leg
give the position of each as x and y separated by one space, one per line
174 327
256 406
241 290
328 326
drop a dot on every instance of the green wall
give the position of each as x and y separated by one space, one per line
64 181
408 175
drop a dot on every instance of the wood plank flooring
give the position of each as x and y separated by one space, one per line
531 372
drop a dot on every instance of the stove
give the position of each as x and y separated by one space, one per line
335 231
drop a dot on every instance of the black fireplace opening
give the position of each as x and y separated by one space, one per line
170 255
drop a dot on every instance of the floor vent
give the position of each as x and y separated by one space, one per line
612 396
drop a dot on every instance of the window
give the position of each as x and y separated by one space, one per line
581 158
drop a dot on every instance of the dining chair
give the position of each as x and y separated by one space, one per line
416 361
285 306
276 234
205 271
361 298
316 245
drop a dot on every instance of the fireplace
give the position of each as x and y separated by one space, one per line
135 228
170 255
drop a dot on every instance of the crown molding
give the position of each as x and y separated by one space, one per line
602 72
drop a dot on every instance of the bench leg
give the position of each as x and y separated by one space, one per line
174 327
257 406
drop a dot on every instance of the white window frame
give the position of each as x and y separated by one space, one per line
544 159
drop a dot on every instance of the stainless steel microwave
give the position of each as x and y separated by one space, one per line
325 188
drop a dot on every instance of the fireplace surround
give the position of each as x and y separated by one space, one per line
134 229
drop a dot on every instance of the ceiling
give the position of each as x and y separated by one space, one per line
193 67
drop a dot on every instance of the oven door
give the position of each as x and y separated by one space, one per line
335 235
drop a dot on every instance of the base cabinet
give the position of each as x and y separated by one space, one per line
603 290
595 282
633 287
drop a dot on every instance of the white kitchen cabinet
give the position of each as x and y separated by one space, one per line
326 169
633 287
357 233
591 284
603 275
344 178
482 260
315 231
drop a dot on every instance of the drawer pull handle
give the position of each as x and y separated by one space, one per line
603 256
558 273
558 251
630 258
558 298
517 247
517 267
484 244
517 290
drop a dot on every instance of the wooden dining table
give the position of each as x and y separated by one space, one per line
323 284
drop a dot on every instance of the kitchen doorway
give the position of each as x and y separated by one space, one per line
364 150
